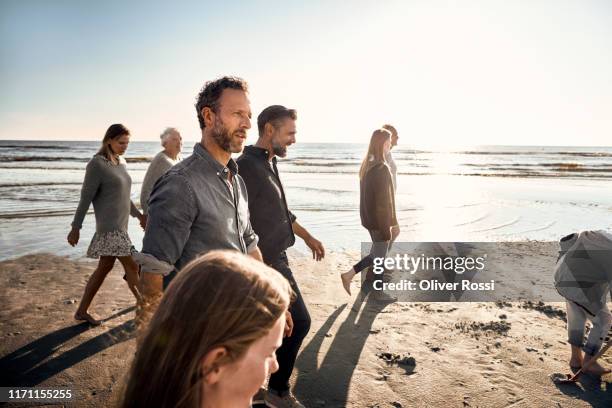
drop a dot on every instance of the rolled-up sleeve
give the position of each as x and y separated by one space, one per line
292 216
172 211
250 238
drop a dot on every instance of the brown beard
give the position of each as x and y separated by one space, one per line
221 135
279 150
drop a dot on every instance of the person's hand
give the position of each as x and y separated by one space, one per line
388 235
143 221
73 236
288 324
318 251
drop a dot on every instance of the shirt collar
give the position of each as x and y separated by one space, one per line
199 150
257 151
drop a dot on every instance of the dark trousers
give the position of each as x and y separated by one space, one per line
379 248
287 353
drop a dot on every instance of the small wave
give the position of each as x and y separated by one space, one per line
42 167
20 146
534 152
321 157
44 183
542 228
324 164
500 226
7 159
141 159
464 205
325 190
473 221
527 174
37 214
324 209
554 165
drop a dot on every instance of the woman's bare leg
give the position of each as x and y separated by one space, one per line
347 277
105 264
131 270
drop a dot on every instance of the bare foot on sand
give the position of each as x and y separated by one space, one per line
88 318
596 369
575 363
347 277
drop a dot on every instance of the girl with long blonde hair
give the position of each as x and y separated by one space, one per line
212 340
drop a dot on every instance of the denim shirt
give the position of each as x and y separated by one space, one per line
192 211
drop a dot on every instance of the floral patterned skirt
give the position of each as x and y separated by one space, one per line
114 243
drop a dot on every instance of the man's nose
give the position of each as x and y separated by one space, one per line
246 123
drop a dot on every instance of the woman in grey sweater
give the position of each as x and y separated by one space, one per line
172 143
107 185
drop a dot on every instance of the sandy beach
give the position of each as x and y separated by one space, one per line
360 352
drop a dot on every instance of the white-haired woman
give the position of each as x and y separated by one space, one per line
172 143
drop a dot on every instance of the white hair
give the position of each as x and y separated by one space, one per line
166 134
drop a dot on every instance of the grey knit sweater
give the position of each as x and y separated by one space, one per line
107 186
159 165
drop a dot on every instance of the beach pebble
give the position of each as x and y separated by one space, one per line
397 404
409 361
70 302
558 377
531 349
435 349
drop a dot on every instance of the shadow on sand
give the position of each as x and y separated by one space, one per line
330 380
30 365
590 390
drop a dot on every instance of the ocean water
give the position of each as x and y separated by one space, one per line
484 193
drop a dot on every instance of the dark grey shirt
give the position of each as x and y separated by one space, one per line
194 209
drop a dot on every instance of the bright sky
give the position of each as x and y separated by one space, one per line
444 72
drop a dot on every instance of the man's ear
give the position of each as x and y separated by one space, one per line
210 365
268 129
208 115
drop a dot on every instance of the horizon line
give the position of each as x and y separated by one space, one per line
312 143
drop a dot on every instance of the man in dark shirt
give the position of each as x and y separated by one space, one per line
276 225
